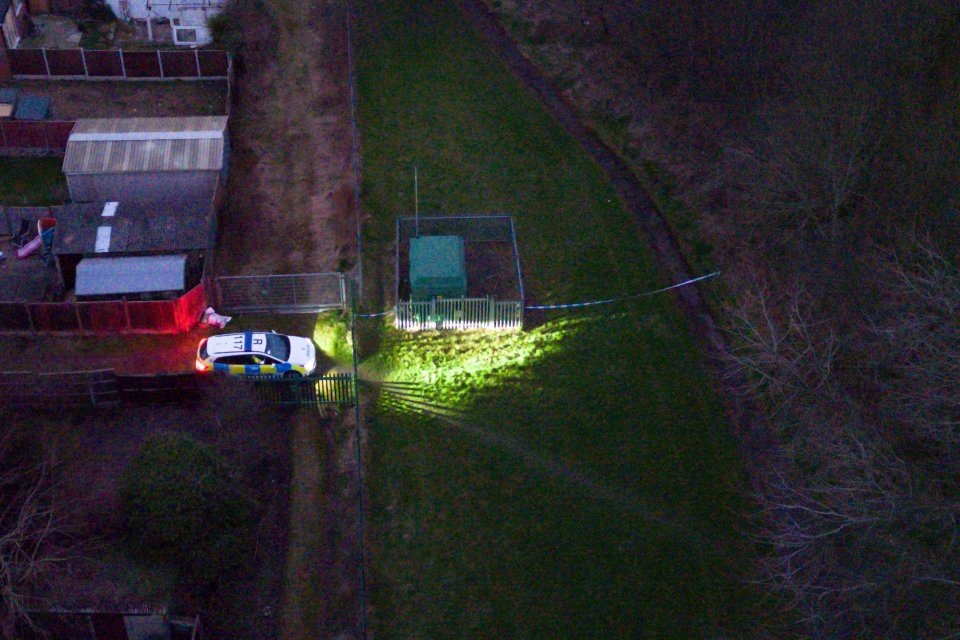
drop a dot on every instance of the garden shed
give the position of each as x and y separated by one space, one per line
437 267
144 277
146 160
101 229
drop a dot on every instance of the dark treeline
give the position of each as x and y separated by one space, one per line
817 144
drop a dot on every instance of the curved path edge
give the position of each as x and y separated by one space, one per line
666 249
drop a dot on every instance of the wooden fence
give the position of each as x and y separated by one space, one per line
105 388
110 316
460 314
117 64
36 136
25 389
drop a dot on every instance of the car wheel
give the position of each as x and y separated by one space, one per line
291 375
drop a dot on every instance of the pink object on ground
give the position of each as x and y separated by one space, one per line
29 248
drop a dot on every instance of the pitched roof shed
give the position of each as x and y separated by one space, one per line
130 145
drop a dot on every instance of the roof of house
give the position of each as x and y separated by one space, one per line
130 274
132 227
127 145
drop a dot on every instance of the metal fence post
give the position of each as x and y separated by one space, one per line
196 58
46 63
123 65
160 62
83 57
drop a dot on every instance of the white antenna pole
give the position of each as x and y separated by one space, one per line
416 200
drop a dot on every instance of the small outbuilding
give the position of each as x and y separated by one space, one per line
437 267
146 160
145 277
120 230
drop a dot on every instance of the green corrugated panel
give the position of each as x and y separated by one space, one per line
437 267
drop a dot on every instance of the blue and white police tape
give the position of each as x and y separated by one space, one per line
373 315
645 294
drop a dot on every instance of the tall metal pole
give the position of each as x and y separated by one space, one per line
416 200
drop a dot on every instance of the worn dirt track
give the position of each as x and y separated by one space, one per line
666 249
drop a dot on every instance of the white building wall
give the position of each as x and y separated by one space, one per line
189 12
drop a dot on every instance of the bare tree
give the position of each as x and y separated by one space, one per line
32 529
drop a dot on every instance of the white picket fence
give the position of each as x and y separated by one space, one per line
460 314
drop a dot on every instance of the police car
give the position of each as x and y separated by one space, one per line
252 353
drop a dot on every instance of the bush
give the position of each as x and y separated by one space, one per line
227 30
182 504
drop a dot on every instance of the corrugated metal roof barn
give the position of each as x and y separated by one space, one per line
146 159
127 145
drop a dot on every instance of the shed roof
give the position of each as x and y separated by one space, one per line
32 108
133 227
137 274
127 145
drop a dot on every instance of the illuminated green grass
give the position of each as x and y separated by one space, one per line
574 480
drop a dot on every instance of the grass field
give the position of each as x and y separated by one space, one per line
575 480
32 181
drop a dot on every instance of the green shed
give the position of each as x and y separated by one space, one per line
437 267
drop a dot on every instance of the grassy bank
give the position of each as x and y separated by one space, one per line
32 182
575 480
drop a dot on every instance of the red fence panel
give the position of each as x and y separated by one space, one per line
107 317
102 63
142 64
160 316
212 63
57 133
190 307
23 135
14 317
65 62
54 316
179 64
27 62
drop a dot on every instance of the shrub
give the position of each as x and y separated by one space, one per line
182 503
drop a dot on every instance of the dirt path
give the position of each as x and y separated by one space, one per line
310 543
290 189
666 249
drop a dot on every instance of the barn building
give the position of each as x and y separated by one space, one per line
151 161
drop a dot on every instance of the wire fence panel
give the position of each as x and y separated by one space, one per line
288 293
460 314
470 228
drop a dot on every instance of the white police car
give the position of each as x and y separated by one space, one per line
255 353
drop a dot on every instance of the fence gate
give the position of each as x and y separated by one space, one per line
287 293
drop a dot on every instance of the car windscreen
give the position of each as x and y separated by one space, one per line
278 346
